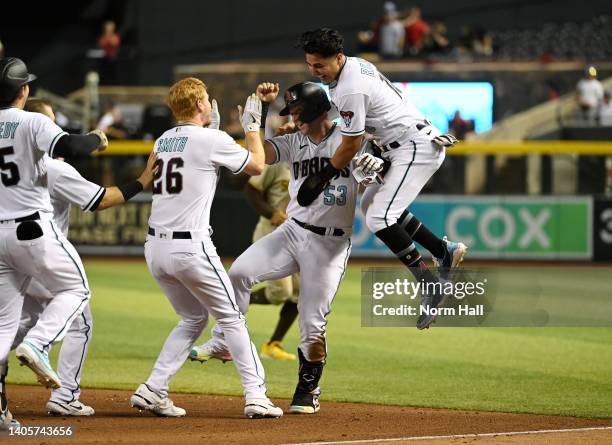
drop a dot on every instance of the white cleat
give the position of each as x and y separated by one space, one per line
146 400
38 362
74 408
261 408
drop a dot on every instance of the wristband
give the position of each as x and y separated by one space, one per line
130 189
264 112
328 172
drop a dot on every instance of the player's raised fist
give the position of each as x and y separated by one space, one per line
267 91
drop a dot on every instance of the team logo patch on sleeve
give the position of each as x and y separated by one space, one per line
347 116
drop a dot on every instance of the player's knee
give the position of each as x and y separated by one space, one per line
194 325
239 274
375 221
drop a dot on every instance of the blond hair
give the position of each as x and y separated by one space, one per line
184 95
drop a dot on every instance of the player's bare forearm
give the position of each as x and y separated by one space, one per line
258 157
112 197
255 198
346 151
270 153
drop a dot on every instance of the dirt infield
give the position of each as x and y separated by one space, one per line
219 419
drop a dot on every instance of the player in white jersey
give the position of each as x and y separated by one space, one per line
66 188
314 240
180 253
31 244
414 149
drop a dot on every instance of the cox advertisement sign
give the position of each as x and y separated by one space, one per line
500 226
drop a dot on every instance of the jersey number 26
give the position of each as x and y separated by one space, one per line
174 179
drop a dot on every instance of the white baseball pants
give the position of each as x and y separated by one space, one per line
321 262
193 279
52 260
412 166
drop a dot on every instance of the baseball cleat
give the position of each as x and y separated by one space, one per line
8 422
38 362
206 352
452 258
74 408
430 300
305 402
261 408
146 400
275 351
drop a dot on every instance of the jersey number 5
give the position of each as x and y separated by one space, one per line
12 176
174 179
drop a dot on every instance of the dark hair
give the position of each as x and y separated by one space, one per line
324 41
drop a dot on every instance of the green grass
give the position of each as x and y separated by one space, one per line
565 371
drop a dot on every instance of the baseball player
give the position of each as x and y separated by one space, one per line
368 102
180 253
31 244
67 187
314 241
268 194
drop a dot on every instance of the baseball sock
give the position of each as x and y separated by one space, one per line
288 314
3 401
421 234
401 244
259 297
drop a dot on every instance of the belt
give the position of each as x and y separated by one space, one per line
396 144
175 235
319 230
33 217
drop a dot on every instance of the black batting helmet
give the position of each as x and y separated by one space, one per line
312 96
13 75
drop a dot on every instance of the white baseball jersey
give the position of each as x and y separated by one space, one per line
66 186
368 102
189 157
335 207
24 139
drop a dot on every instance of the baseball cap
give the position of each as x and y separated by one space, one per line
13 75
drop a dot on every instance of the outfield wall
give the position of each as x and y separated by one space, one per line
495 227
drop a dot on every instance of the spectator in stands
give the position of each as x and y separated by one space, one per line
416 31
589 95
110 42
459 127
392 33
605 111
110 122
437 41
1 50
482 42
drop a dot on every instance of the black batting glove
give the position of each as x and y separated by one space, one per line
314 185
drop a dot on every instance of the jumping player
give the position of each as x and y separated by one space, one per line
314 241
180 253
31 244
368 102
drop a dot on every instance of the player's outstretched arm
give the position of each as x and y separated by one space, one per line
118 195
250 118
80 145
